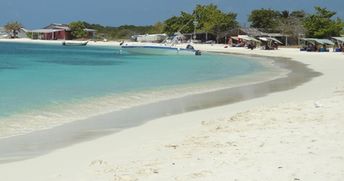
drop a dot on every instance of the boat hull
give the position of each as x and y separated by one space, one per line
74 43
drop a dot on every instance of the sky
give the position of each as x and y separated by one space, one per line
40 13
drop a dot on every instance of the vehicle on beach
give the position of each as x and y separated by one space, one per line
74 43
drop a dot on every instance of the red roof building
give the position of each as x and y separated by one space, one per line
57 32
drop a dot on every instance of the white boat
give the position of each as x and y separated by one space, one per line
74 43
160 49
168 47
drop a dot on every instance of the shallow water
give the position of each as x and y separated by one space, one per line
46 85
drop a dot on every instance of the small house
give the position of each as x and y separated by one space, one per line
52 32
57 31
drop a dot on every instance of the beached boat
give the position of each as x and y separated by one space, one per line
74 43
160 49
169 46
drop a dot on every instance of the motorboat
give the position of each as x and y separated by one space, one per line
160 49
171 46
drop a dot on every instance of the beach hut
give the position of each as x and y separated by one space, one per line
315 45
339 44
52 32
202 37
45 34
56 31
91 33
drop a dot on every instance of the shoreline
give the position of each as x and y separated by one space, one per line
113 102
116 102
293 135
100 125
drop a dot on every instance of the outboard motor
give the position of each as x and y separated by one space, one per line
197 52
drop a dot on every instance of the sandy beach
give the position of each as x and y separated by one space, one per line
287 135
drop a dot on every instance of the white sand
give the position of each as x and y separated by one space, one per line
290 135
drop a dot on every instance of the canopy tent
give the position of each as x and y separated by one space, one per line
245 37
270 39
338 39
248 38
275 40
280 36
318 41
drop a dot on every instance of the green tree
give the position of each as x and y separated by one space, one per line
285 14
13 28
298 14
78 29
182 23
265 19
213 20
157 28
209 19
204 14
322 25
291 23
118 33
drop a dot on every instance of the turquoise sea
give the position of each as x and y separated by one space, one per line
43 85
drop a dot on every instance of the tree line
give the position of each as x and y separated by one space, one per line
210 19
321 24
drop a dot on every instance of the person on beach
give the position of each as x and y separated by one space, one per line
275 45
230 42
251 45
336 47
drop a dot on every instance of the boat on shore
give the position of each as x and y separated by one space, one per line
169 46
74 43
160 49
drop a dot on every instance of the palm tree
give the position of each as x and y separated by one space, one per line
13 28
285 14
